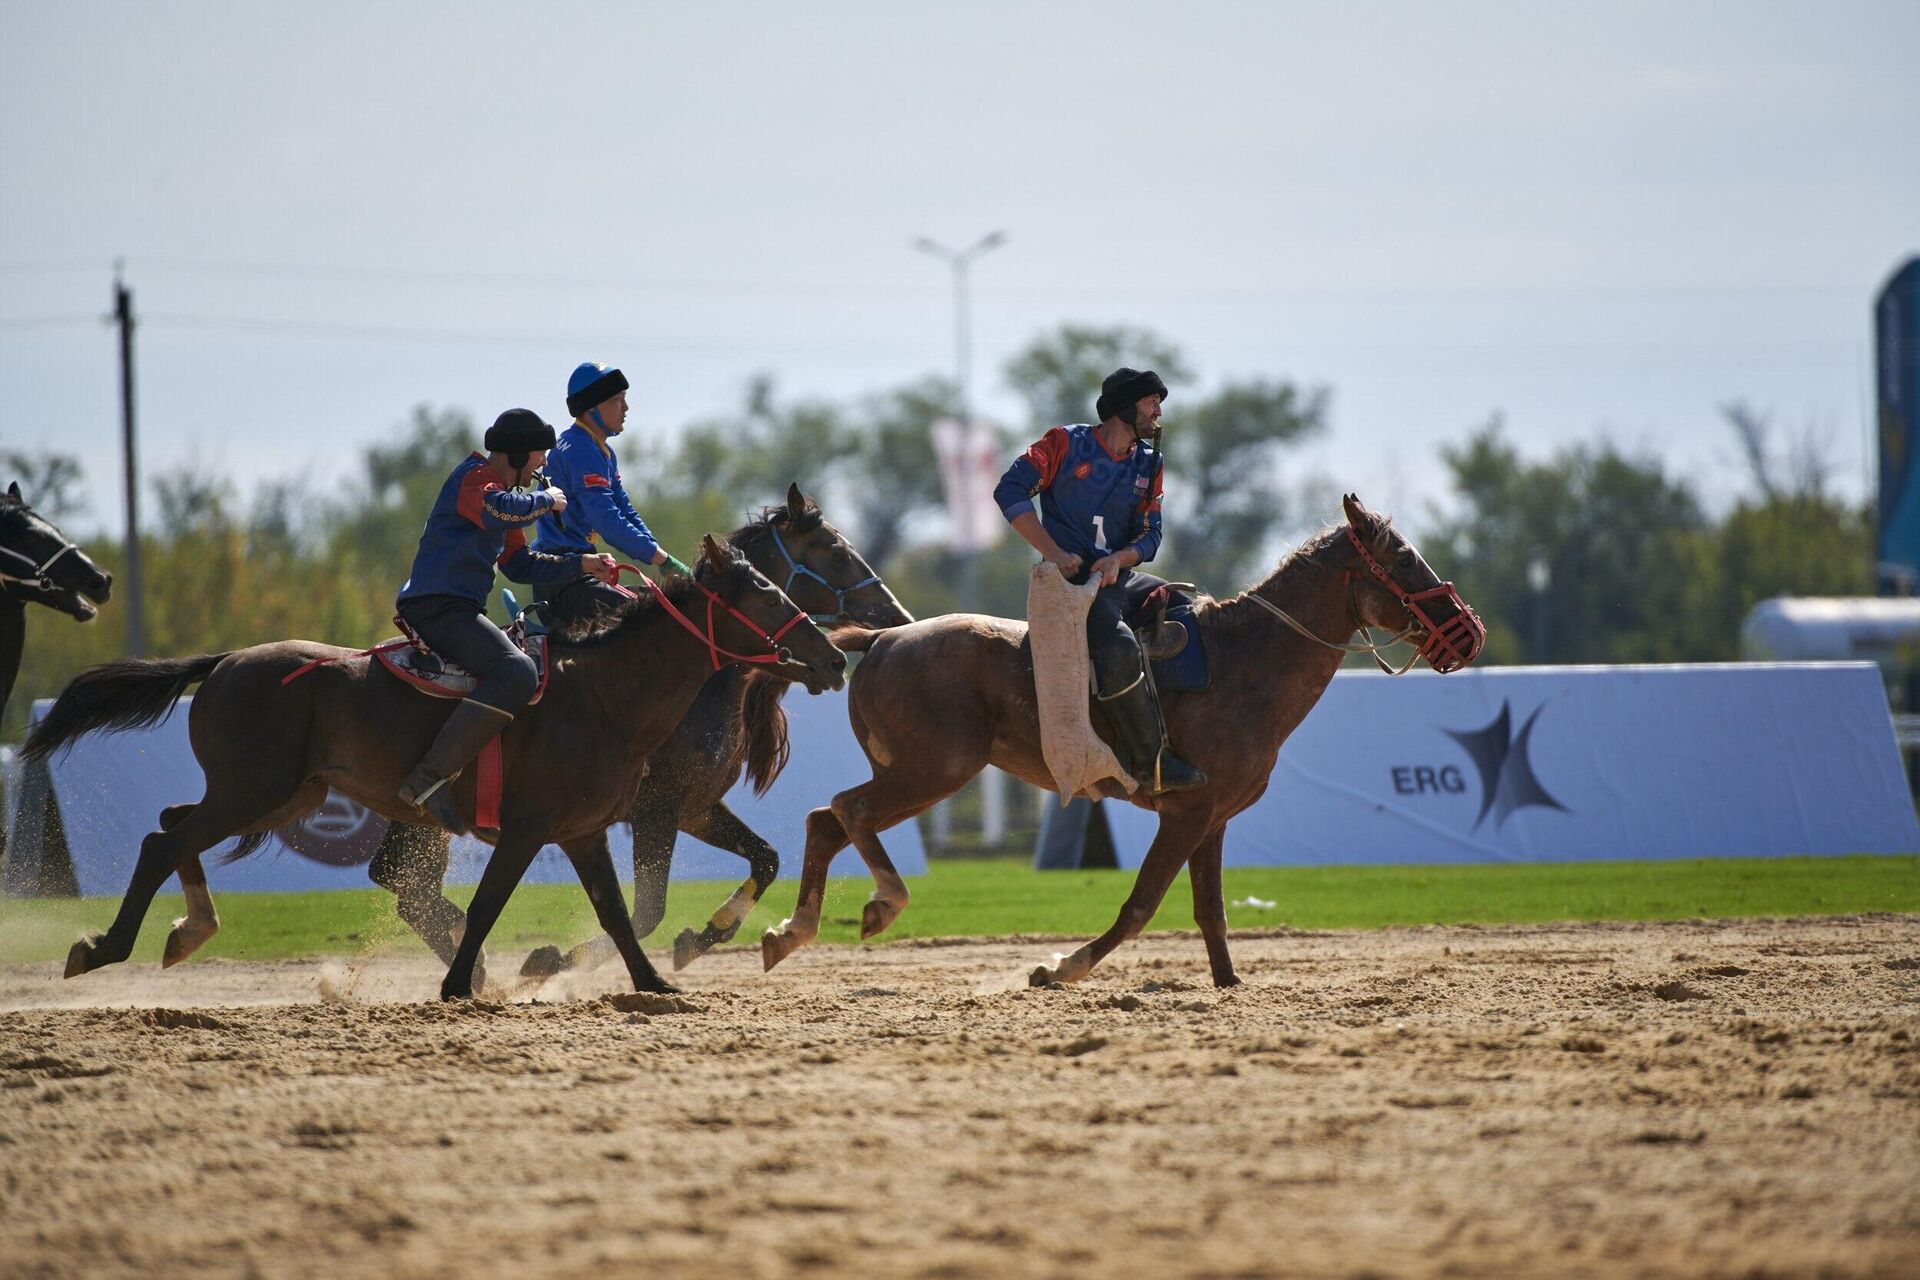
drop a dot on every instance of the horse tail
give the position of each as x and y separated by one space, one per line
245 845
854 639
766 724
131 693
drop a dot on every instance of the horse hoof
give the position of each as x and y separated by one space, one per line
686 949
659 987
1231 980
876 917
80 956
183 941
543 962
1042 976
775 947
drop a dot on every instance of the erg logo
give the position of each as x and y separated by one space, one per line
1500 756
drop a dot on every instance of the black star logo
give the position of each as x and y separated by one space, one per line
1507 782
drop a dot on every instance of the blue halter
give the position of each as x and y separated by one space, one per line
798 570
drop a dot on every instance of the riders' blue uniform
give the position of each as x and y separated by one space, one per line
583 467
478 524
1090 501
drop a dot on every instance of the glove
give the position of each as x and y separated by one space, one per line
674 565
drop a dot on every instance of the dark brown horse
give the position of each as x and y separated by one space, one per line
270 749
935 702
39 566
736 724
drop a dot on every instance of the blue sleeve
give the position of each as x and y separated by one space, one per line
1148 543
1014 493
522 563
610 515
511 508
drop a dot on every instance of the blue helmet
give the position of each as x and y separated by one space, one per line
591 385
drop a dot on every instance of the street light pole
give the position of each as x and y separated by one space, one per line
992 796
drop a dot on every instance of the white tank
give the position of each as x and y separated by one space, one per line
1830 628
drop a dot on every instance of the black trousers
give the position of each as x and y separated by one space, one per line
459 630
1110 641
575 600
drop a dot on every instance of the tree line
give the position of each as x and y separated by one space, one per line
1593 554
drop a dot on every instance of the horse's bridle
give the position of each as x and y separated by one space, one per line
771 639
797 570
40 575
1448 646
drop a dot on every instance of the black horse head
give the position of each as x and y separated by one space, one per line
37 562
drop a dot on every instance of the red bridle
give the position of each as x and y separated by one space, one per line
1449 646
771 639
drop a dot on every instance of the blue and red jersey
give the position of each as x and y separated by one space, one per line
582 466
1092 502
477 525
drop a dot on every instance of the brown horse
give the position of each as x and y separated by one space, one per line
735 724
935 702
271 747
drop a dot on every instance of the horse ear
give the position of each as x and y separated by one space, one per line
796 501
1364 522
716 554
13 491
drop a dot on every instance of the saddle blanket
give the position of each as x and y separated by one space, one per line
1186 671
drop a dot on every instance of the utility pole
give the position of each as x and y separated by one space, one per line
123 316
992 793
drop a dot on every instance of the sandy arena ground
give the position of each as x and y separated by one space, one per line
1736 1099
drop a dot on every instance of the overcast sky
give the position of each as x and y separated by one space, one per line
1601 219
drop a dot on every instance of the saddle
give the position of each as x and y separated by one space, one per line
413 661
1170 638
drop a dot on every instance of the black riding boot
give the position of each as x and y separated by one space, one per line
1135 718
471 726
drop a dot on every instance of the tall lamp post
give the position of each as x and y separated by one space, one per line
992 802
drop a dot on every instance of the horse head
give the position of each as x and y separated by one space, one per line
44 564
817 567
1393 588
759 620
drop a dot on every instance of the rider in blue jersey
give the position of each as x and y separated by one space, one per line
598 512
1098 489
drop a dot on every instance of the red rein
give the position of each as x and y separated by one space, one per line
710 635
1449 646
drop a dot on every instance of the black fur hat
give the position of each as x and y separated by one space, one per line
1123 389
519 431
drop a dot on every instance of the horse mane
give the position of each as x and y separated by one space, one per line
1228 618
779 517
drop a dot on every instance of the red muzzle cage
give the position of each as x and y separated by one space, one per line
1449 645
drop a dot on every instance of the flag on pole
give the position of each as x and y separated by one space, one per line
969 470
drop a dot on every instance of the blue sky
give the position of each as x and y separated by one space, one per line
1596 220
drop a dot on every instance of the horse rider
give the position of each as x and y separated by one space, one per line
1099 516
478 523
582 467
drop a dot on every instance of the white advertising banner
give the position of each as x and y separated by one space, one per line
110 789
1575 764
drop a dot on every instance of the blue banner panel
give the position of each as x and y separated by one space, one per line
1896 344
1578 764
110 789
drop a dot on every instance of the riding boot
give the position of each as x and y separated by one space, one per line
471 726
1134 714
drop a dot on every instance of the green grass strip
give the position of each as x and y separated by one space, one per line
1002 896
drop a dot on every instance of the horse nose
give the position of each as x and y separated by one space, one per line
838 662
104 584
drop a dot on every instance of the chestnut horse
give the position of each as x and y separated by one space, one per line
39 566
271 745
735 724
935 702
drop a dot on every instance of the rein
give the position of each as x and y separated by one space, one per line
797 570
1447 647
711 635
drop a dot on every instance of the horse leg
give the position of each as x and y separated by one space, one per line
1173 844
191 931
411 864
1210 907
593 861
872 806
196 828
653 825
512 854
722 828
